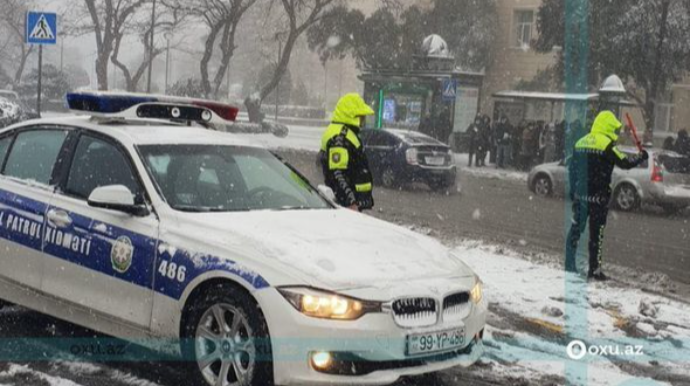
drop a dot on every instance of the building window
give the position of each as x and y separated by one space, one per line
663 113
524 22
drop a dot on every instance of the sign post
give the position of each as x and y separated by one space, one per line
41 29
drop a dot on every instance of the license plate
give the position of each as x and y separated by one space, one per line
433 342
435 161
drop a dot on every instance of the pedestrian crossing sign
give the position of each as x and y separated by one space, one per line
41 28
450 89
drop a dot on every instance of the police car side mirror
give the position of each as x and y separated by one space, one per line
327 192
116 197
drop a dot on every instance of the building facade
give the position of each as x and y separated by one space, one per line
514 61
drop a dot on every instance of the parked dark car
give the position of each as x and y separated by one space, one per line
398 157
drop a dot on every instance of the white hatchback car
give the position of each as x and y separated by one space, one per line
135 225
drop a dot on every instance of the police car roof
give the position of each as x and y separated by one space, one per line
149 131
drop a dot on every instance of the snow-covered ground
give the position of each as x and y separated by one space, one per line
300 138
489 171
537 311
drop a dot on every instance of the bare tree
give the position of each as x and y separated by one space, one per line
107 20
299 16
222 17
168 19
13 50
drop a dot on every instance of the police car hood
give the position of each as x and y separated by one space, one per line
338 249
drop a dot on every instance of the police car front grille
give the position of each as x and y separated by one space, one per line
415 312
456 307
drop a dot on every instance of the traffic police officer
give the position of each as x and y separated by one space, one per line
591 168
345 166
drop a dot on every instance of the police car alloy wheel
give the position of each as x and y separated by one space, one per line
226 340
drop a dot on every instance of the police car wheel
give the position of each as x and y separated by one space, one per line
227 337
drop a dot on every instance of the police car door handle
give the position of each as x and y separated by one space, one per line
59 218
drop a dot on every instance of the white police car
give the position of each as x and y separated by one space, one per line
131 223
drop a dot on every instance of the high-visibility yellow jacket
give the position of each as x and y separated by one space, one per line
345 165
594 158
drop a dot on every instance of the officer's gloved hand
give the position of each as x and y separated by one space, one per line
644 155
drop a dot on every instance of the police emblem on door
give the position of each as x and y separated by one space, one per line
121 254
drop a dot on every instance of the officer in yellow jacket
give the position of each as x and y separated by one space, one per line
590 174
345 166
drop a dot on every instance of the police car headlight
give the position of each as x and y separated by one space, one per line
477 292
327 305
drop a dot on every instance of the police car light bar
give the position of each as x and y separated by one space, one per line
133 106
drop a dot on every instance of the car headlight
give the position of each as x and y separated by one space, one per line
412 156
477 292
327 305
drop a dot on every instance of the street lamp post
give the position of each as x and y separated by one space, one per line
168 36
280 55
153 25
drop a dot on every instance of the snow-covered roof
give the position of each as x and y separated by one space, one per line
435 46
546 96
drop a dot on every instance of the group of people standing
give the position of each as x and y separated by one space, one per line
522 146
680 145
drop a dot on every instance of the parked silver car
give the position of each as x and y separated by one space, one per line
663 181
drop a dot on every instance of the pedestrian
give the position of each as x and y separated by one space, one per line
669 144
504 142
590 173
549 135
683 143
560 140
493 140
517 143
542 131
443 128
530 145
483 141
426 124
473 137
344 163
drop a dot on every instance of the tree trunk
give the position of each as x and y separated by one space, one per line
281 68
206 58
658 84
22 65
102 71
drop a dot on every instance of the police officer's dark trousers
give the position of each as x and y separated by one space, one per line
596 214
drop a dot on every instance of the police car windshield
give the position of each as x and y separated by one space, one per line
210 178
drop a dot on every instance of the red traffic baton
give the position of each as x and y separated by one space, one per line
631 124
